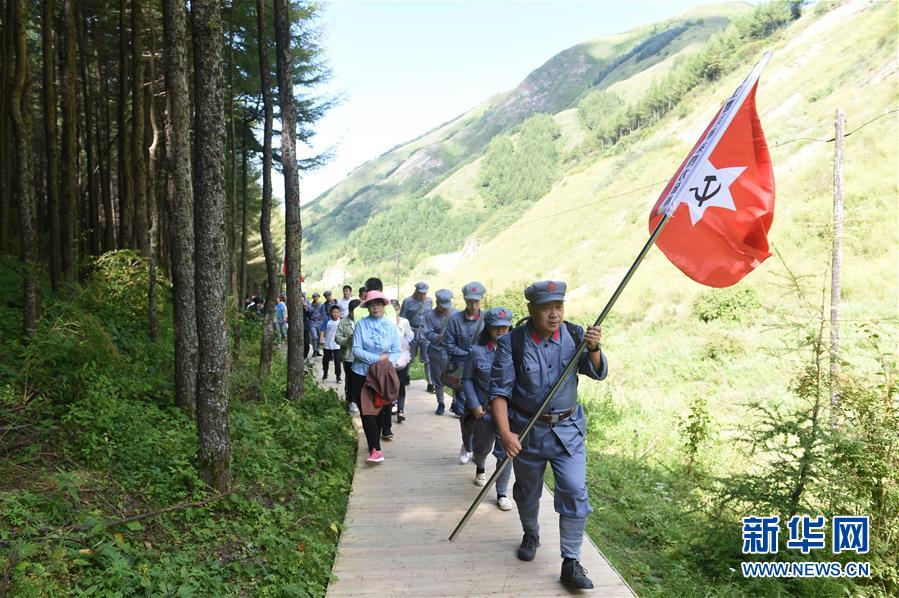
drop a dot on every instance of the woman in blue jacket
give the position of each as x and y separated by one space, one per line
475 386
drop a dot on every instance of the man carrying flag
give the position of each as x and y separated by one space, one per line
718 209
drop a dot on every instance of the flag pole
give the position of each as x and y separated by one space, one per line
567 372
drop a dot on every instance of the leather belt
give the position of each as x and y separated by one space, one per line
548 418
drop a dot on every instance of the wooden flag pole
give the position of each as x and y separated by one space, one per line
568 370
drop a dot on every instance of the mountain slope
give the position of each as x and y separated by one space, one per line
416 167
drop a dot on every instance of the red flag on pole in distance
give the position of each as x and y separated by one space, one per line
720 202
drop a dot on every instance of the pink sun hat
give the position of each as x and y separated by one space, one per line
374 296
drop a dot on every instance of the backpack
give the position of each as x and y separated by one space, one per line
518 337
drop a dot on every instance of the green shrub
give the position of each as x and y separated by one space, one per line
733 303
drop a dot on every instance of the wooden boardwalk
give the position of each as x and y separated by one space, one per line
402 511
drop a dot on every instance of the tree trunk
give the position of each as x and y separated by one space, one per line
153 153
245 208
293 226
138 154
126 183
265 220
51 140
211 248
24 192
232 230
180 202
69 215
102 109
7 75
91 144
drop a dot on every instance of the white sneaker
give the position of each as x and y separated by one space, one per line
480 479
504 503
354 408
464 456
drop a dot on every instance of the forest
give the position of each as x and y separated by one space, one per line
132 385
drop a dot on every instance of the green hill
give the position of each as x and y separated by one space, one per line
407 172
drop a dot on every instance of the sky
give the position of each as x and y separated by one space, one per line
403 68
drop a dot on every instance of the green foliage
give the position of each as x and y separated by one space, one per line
599 110
416 226
733 303
695 430
96 438
522 171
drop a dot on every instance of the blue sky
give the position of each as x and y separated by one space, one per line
405 67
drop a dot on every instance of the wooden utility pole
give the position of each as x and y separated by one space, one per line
836 265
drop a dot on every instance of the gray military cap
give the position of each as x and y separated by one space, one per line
473 290
544 291
444 298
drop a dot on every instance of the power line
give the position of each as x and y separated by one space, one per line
832 139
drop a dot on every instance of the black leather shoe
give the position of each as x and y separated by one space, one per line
528 549
574 576
430 388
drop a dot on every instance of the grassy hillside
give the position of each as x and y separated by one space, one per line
673 430
408 172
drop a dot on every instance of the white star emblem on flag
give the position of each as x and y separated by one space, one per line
710 188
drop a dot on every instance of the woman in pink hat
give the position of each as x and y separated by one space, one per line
374 338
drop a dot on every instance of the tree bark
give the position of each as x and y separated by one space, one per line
69 216
245 208
232 230
51 140
293 225
265 220
126 183
102 110
214 453
138 154
24 192
152 215
7 75
180 203
91 144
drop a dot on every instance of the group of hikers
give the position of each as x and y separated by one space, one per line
498 374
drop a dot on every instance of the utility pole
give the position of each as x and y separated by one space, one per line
836 265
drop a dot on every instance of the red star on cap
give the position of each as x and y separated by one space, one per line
550 286
502 313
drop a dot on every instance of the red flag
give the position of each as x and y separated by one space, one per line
720 202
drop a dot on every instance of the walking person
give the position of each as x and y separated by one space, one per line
344 302
476 391
433 330
328 340
375 339
405 360
281 317
528 362
462 330
414 308
316 320
344 338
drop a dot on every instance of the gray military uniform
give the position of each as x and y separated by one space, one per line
560 444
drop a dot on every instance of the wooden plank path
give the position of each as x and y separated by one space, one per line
402 511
